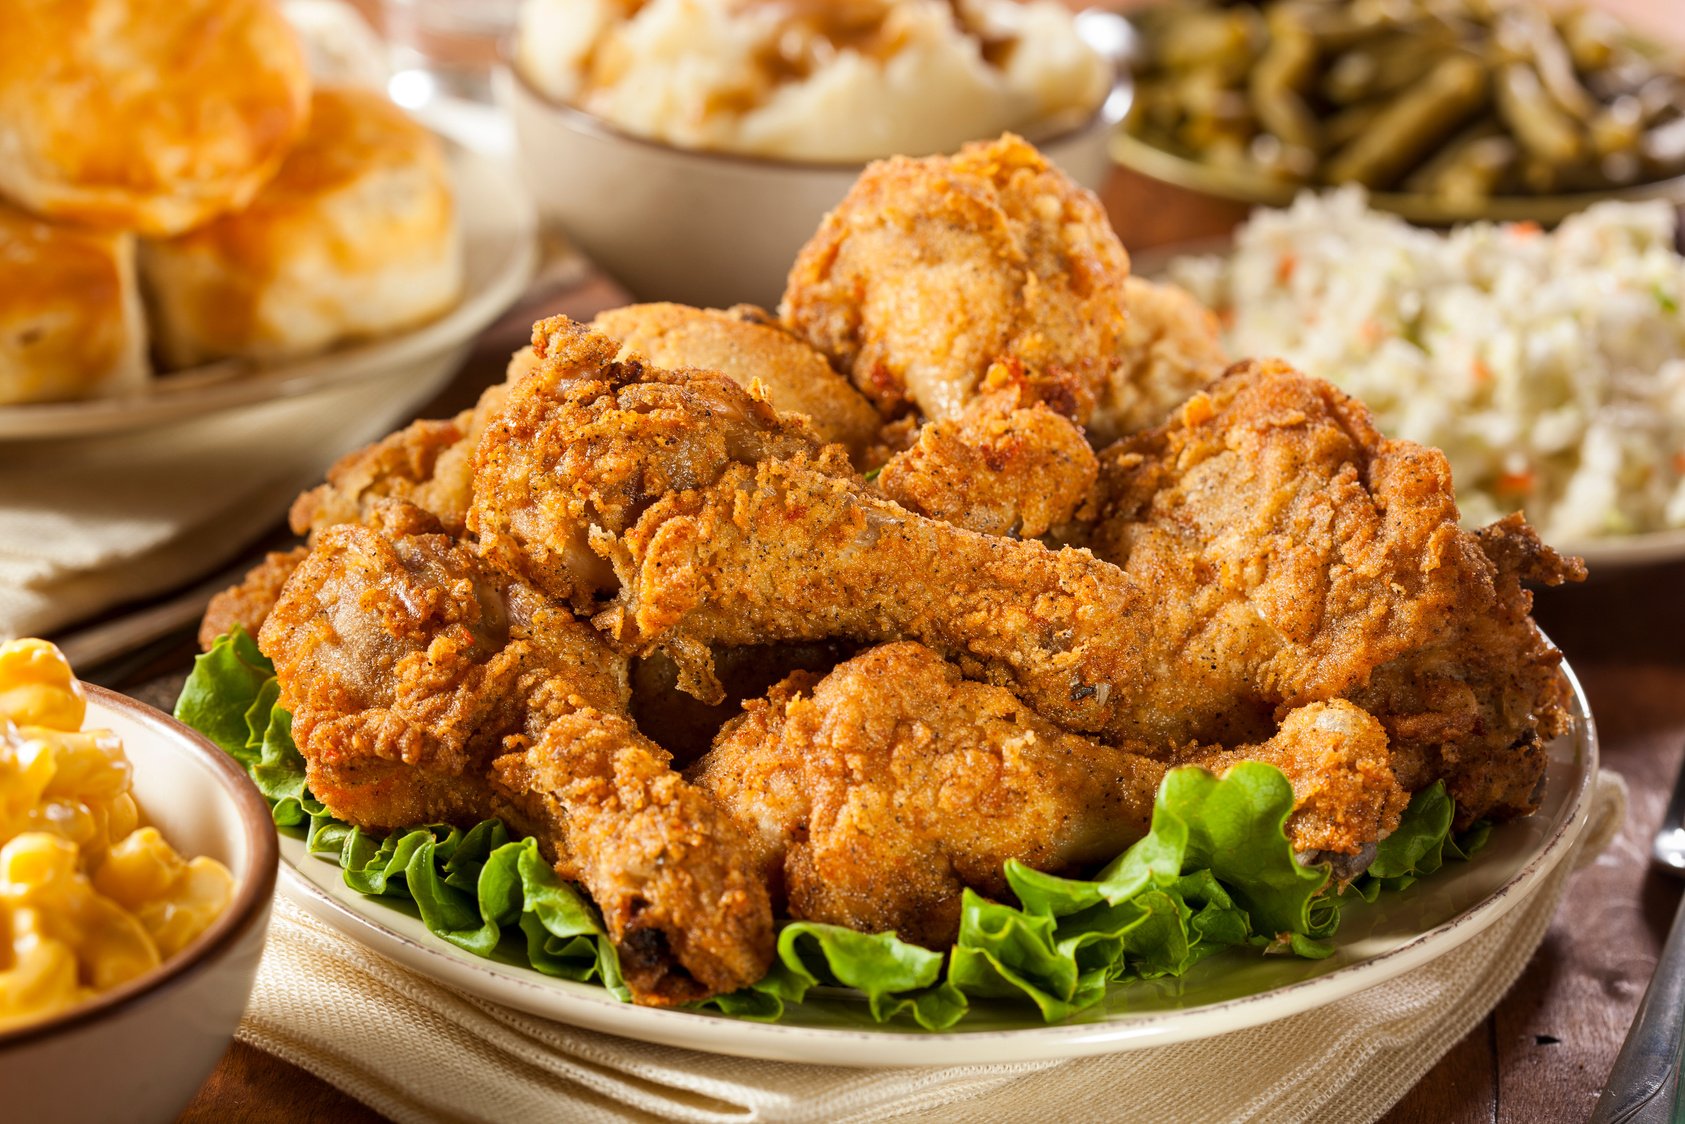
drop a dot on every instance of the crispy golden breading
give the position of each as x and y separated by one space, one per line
250 602
1274 552
1301 556
427 463
878 794
1008 465
586 441
885 790
524 611
780 552
1346 793
424 690
1171 346
932 270
748 348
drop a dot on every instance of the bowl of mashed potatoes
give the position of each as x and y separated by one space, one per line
137 867
690 147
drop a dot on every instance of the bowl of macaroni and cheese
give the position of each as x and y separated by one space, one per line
137 866
690 147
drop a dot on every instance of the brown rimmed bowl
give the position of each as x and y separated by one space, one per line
139 1052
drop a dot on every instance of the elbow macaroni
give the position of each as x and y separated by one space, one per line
89 899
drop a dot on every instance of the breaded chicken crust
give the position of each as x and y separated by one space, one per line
1008 465
748 347
932 270
879 793
1301 556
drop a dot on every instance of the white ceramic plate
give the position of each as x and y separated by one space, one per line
499 255
1617 552
1227 992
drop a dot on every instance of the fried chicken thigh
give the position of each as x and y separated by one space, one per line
877 794
1296 546
424 689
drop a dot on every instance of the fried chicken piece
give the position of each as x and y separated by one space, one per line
587 440
877 794
1171 346
780 552
932 270
427 463
248 603
1008 465
1284 555
423 690
1477 703
1346 794
1304 557
747 346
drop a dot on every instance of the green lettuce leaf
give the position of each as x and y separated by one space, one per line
222 689
1214 872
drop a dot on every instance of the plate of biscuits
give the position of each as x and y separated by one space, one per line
171 253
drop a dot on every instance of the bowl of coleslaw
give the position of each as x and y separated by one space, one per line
1549 365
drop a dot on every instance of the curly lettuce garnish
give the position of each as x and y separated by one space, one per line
1215 872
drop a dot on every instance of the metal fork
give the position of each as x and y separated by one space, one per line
1643 1086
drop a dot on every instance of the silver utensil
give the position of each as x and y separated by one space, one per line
1643 1086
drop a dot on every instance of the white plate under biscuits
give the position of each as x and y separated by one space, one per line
499 255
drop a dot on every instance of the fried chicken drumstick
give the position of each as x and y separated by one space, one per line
425 689
877 794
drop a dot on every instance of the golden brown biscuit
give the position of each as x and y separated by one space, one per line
355 236
747 345
150 115
70 318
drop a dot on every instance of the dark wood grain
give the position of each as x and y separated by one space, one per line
251 1087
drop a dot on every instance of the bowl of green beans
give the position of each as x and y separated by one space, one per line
1445 110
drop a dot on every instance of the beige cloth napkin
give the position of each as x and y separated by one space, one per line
421 1052
89 523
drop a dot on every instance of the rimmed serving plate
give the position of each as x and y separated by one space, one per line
499 255
1231 991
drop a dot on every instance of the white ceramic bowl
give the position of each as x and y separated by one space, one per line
139 1052
704 228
